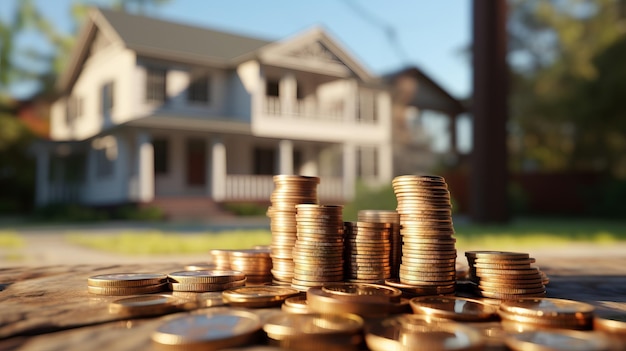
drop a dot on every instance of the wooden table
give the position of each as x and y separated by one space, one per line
49 308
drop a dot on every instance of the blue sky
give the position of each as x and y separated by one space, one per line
383 35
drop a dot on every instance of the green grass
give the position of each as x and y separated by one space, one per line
540 233
156 242
519 234
10 239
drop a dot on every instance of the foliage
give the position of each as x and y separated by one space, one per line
139 213
370 198
566 112
156 242
69 213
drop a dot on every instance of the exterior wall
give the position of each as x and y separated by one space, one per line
110 64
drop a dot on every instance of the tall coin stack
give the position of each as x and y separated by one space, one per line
393 218
318 251
289 190
367 252
428 245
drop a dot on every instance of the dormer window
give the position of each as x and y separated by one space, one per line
156 85
199 88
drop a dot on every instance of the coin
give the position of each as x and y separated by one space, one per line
454 308
555 340
366 292
212 330
258 296
313 325
146 305
421 290
414 332
548 308
206 287
206 277
295 304
126 280
137 290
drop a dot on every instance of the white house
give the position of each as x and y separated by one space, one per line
153 112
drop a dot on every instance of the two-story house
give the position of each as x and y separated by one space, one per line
151 110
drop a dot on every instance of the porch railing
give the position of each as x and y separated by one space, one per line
306 109
259 188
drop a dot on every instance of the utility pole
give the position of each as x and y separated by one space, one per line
489 171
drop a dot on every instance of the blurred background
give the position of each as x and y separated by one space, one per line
174 114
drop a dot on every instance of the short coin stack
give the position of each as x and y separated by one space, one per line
531 314
203 281
289 190
256 264
428 245
258 296
393 218
220 258
318 251
367 252
127 283
505 275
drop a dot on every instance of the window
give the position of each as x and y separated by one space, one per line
73 109
155 85
107 99
161 156
366 107
272 88
104 164
199 89
264 161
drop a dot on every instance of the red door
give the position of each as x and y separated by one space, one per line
196 162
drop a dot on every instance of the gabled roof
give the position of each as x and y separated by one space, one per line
167 40
429 95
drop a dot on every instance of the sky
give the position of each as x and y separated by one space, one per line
383 35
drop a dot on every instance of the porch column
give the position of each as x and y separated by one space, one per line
218 170
349 171
145 167
285 157
288 91
309 166
454 148
43 174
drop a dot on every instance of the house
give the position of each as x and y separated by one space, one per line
155 112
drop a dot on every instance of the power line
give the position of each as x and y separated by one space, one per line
390 32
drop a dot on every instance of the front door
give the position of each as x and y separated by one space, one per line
196 162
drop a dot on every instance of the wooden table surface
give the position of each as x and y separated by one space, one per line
49 308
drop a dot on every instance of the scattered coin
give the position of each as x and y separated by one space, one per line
258 296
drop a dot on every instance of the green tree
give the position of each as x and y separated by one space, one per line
562 54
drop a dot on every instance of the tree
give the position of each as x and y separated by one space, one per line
565 107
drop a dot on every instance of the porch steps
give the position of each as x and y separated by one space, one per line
189 208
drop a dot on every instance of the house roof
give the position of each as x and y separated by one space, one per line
162 39
429 95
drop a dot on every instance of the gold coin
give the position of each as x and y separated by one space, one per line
548 308
258 296
200 266
555 340
320 326
574 323
206 287
421 289
212 330
414 332
216 276
121 280
454 308
496 254
296 304
146 305
116 291
366 292
202 299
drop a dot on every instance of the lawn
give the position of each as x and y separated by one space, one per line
519 234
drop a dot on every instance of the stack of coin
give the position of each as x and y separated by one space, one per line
256 264
220 258
318 251
393 218
428 245
289 190
258 296
365 300
505 275
213 329
296 304
148 305
367 251
541 313
315 331
417 332
127 283
203 281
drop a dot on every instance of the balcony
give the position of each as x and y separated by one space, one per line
335 111
259 188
